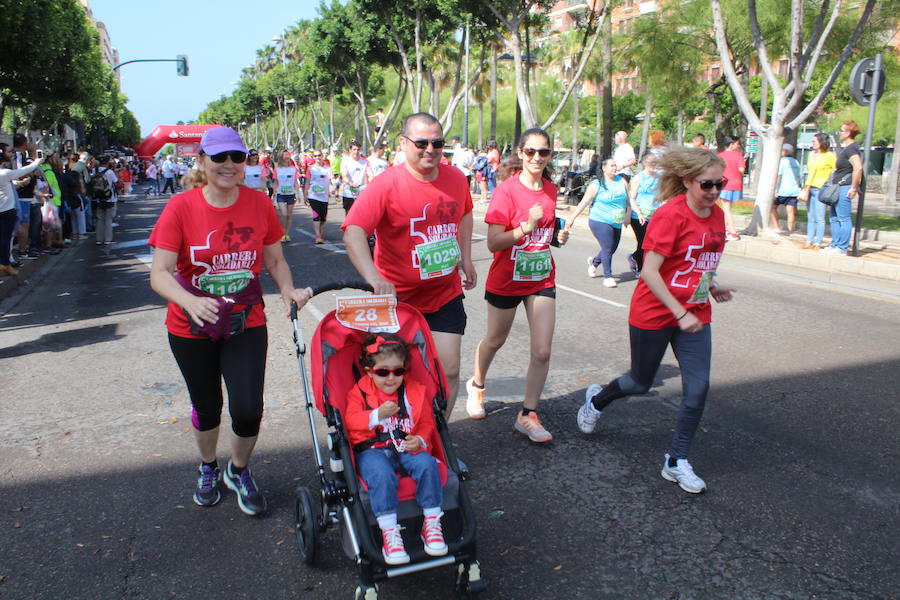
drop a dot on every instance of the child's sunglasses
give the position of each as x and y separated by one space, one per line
236 156
708 184
385 372
543 152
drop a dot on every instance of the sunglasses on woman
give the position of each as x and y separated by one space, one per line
236 156
542 152
708 184
385 372
436 143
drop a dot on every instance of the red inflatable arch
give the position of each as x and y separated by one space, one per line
170 134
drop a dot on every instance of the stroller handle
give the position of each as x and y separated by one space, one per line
358 284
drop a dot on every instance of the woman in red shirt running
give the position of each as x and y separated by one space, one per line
670 306
211 243
520 222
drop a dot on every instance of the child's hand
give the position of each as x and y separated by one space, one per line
387 410
412 443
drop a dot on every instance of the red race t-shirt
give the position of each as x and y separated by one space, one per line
734 162
416 224
526 267
218 248
692 247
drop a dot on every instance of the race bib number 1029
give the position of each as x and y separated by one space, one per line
437 258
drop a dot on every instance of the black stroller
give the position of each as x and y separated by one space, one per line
343 499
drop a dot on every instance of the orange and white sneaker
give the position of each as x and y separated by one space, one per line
433 536
393 551
531 426
475 400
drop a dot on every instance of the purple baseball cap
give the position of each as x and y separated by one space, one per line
221 139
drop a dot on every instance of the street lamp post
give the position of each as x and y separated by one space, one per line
465 135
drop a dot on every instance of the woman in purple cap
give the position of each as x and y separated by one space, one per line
210 244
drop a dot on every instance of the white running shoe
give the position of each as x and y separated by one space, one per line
588 415
592 270
475 400
609 282
683 474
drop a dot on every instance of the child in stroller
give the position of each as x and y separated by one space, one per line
388 420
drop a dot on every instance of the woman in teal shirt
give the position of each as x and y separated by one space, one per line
643 205
608 199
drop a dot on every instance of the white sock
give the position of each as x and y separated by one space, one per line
432 512
387 522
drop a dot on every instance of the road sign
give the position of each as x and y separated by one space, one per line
862 81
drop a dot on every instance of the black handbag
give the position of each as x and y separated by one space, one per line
830 194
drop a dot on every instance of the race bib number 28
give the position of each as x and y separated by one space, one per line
368 313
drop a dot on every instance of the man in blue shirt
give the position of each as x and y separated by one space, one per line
788 188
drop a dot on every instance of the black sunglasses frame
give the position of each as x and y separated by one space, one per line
708 184
542 152
436 143
236 156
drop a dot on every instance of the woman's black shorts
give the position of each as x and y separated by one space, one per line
498 301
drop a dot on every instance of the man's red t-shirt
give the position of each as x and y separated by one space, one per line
526 267
216 246
734 162
691 246
416 224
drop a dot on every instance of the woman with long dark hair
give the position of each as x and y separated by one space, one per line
521 222
670 306
607 195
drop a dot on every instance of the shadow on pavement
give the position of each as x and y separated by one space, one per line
63 340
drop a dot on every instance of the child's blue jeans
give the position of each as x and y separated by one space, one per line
378 468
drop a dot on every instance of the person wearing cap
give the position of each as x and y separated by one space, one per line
211 242
788 189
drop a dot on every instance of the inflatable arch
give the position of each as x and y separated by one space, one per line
170 134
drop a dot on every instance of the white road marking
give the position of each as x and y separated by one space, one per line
147 259
318 314
131 244
325 245
591 296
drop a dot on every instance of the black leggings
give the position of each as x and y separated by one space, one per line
639 231
241 361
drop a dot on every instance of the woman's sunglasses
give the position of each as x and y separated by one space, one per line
385 372
543 152
236 156
436 143
708 184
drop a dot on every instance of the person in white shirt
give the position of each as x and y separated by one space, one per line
463 159
168 173
353 175
377 162
106 209
318 191
623 155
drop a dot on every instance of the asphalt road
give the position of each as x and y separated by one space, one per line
799 447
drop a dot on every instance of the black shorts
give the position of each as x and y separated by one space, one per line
499 301
288 199
785 200
450 318
319 208
347 202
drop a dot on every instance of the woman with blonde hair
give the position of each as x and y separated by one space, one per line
670 306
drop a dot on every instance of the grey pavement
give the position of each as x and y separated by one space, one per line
798 445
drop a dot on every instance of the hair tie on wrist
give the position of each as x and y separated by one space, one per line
682 316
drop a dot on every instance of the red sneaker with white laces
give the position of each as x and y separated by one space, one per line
393 551
433 536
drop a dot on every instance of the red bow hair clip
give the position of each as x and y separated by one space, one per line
375 347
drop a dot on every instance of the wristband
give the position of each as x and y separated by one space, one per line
522 226
682 316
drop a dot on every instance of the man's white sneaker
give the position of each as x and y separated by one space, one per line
683 474
592 270
475 401
588 415
609 282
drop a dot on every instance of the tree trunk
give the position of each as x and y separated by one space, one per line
648 117
493 92
606 134
768 173
598 116
575 121
679 136
481 124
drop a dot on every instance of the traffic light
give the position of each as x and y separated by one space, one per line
182 65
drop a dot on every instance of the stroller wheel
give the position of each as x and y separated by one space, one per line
366 593
306 526
469 583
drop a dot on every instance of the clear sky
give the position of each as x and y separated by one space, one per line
219 37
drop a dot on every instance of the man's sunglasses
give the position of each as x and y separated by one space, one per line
436 143
317 156
385 372
708 184
543 152
236 156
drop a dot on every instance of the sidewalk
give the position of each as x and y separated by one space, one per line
878 265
